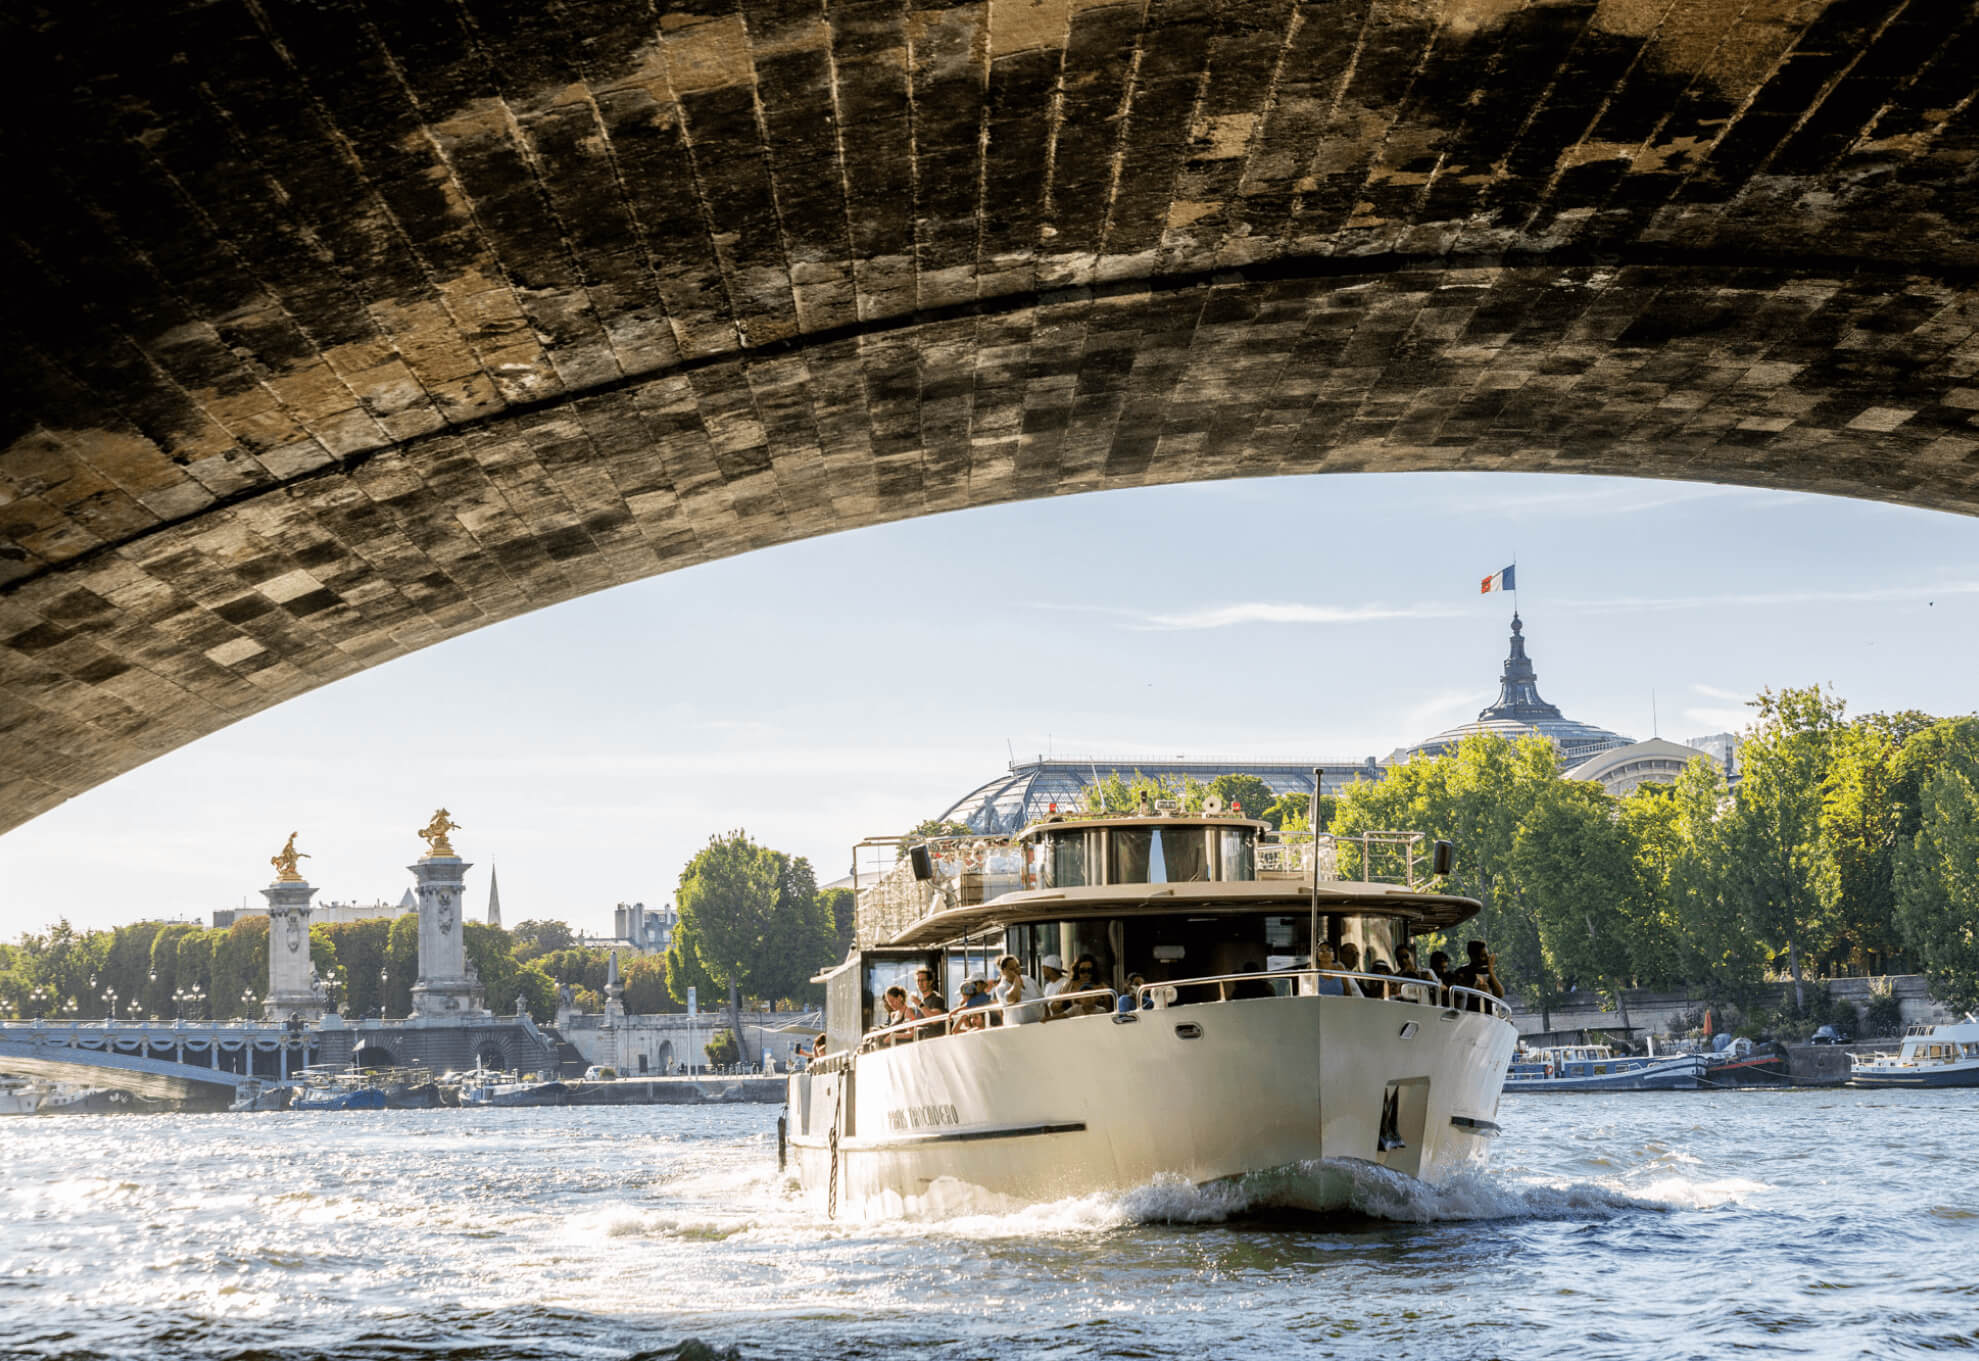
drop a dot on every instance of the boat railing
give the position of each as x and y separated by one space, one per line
970 1018
1171 992
1306 983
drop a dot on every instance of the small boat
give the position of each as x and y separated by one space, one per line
1930 1056
1598 1068
19 1097
262 1096
337 1092
506 1089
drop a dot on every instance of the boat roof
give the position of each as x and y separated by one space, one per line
1058 822
1424 911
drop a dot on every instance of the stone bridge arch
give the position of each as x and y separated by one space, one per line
337 329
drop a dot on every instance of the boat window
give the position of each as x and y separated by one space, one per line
1236 855
1376 937
1158 855
1065 862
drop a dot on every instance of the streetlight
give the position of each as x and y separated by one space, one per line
40 998
110 1005
247 1001
383 978
186 997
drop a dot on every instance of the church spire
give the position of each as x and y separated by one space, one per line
1518 691
494 899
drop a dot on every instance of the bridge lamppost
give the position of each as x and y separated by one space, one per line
39 1000
247 1003
187 997
383 978
109 1005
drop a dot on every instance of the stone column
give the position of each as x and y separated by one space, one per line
292 986
448 984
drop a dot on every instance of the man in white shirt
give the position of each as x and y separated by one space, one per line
1021 995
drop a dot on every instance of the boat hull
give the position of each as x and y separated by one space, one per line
363 1099
1209 1093
1945 1075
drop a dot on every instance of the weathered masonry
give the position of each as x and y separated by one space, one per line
333 329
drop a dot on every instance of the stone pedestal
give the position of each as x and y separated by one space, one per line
448 984
293 989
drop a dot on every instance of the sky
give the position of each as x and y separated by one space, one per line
852 685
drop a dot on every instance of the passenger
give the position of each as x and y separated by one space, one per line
1129 999
1480 974
1407 967
1052 970
1084 978
1350 956
979 1004
897 1013
932 1009
1380 966
1331 984
924 989
1022 996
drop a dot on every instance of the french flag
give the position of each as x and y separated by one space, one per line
1500 581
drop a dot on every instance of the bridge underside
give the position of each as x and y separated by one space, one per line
334 330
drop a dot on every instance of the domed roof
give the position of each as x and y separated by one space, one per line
1028 791
1520 712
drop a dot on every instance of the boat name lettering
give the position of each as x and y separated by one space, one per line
921 1117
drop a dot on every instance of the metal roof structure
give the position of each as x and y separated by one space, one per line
1027 791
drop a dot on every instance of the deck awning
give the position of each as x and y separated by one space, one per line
1423 911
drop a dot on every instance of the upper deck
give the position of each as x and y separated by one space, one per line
1157 862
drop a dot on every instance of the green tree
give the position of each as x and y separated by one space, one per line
538 991
402 964
1248 791
1938 885
1573 871
930 828
685 971
1859 820
533 938
645 979
843 906
729 893
1776 827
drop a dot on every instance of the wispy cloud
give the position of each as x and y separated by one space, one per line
1715 693
1245 612
1875 595
1710 720
1607 496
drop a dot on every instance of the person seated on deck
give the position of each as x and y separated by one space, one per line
1350 957
1407 967
1022 996
1130 999
1439 967
1051 971
1329 984
1380 966
1084 978
979 1003
896 1013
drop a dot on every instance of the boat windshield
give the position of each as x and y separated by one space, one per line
1155 855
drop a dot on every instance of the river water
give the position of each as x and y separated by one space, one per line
1803 1224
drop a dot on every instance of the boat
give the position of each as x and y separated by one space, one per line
1598 1068
507 1089
1210 1046
66 1099
337 1091
262 1096
1945 1055
18 1096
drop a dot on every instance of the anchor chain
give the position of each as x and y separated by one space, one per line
838 1118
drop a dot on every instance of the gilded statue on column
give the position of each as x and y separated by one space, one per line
435 833
284 862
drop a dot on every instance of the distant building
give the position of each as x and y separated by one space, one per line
1622 769
320 913
638 928
1520 712
1027 792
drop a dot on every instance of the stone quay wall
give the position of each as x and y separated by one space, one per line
1668 1013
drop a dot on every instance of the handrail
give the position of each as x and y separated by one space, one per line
1441 994
885 1035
